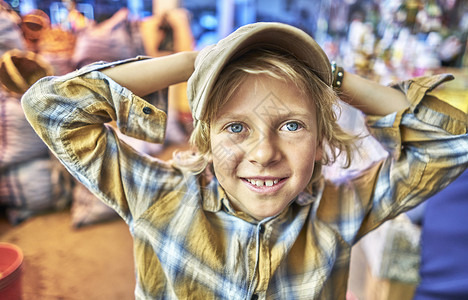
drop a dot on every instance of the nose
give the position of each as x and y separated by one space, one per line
264 151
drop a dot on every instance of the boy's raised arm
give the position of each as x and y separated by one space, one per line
371 97
146 76
71 113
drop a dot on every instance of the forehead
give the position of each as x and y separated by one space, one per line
263 95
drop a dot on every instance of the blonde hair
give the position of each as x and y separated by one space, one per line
282 66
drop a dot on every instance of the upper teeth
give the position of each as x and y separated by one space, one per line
259 182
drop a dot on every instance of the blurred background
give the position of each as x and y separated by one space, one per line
75 247
380 28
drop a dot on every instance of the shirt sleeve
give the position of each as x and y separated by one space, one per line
70 114
428 149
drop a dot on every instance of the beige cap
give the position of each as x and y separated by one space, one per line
212 59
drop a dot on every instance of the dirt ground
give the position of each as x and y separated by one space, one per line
60 262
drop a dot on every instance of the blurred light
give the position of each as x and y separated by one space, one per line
135 7
27 6
209 22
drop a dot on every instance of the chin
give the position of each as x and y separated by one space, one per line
267 213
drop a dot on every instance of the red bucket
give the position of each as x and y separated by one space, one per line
11 261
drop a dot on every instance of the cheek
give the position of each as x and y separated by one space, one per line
225 154
304 155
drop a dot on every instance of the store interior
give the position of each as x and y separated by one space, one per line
74 246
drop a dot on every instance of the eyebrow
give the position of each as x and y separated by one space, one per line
293 114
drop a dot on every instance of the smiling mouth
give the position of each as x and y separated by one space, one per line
262 183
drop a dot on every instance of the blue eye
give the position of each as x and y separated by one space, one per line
235 128
291 126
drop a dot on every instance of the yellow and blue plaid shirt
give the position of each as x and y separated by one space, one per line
188 241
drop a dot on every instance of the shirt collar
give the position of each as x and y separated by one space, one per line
212 195
306 198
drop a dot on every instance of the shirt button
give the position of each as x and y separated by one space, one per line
147 110
262 229
254 297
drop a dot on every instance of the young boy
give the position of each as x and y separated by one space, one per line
248 215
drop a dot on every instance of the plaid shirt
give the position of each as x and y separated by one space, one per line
189 243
